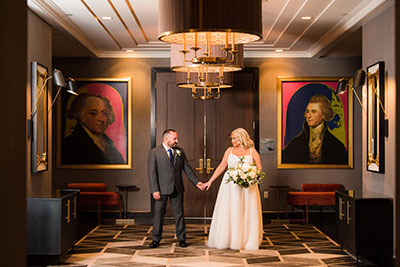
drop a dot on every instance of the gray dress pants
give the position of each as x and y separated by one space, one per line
176 199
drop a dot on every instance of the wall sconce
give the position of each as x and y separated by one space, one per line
37 121
359 80
377 119
59 81
343 86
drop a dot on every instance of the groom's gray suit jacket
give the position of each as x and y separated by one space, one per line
165 176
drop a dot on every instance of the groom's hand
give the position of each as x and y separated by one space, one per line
157 195
200 186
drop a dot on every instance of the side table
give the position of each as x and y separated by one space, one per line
279 189
126 188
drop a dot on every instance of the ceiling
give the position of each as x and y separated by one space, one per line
79 28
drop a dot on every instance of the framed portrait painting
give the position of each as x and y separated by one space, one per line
315 126
376 122
95 127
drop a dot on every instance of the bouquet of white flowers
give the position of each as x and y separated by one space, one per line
244 174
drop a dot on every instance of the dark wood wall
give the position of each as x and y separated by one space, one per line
13 73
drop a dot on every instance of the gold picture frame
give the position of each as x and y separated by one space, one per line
95 128
38 126
293 142
376 123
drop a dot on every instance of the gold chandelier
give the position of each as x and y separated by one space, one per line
207 38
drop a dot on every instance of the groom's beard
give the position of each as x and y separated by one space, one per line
173 144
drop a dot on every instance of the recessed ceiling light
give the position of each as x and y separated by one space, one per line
279 50
306 17
107 18
130 50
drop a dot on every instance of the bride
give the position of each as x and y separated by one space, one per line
237 218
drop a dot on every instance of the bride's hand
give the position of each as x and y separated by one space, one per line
207 185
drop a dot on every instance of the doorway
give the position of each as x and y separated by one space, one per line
204 128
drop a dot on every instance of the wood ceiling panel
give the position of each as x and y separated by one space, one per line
299 27
83 18
271 12
147 17
332 17
288 14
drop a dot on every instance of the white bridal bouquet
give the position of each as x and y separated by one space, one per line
244 174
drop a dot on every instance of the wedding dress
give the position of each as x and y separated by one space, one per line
237 218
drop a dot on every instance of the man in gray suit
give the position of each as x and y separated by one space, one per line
165 165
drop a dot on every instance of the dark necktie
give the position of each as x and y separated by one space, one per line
171 156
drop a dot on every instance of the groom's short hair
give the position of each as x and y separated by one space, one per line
166 132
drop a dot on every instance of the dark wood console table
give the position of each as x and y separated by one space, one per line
364 224
52 222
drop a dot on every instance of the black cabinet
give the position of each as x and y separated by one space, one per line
364 224
52 222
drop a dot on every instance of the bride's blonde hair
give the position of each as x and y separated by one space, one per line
243 137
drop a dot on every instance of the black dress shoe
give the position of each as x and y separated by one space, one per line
154 244
183 244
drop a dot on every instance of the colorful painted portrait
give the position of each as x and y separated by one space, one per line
95 126
314 124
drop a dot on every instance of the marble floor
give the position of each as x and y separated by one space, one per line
128 245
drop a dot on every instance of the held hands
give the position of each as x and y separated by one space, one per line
207 185
200 186
203 186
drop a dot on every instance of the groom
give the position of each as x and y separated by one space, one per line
165 165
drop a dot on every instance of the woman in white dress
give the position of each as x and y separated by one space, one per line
237 217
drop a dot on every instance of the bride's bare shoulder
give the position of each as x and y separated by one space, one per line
228 150
226 154
254 151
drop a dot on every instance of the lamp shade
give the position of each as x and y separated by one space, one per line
359 78
72 88
58 78
341 87
181 63
212 80
197 18
207 38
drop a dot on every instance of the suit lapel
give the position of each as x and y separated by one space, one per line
175 157
166 155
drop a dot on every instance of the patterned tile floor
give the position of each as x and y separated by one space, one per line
128 245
